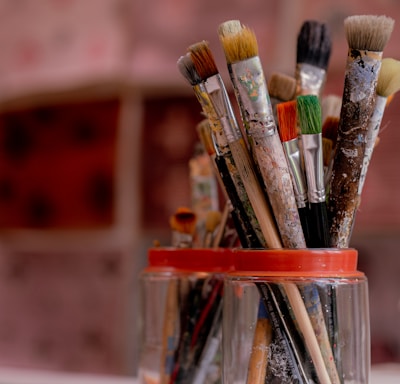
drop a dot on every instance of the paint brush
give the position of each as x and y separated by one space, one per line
183 227
287 123
281 88
387 85
213 220
262 338
313 53
244 216
231 222
309 118
247 76
329 140
215 89
331 105
367 36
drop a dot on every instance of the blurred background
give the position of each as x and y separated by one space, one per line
97 127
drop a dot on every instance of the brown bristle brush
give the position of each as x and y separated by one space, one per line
183 227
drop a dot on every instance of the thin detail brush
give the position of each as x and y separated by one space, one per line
367 37
215 89
247 76
213 220
287 123
388 84
234 218
329 140
313 53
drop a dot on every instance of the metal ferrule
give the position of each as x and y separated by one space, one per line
222 105
312 152
253 98
293 157
220 142
310 79
219 139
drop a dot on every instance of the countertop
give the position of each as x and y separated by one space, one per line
380 374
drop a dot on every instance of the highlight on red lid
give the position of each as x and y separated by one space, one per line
191 259
298 261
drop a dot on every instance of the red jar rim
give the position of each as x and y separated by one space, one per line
191 259
297 261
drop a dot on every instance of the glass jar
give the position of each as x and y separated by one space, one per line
296 316
181 314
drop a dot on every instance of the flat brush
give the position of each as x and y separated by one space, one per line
215 89
281 88
388 84
331 105
309 117
246 73
313 53
287 123
367 37
243 214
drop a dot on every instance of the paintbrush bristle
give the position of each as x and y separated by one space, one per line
287 120
238 44
204 132
389 77
213 218
368 32
309 114
183 221
229 27
314 44
282 87
203 59
327 148
331 105
330 129
187 69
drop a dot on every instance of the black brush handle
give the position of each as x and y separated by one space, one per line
304 214
246 233
319 234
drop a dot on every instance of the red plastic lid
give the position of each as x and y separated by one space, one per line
191 259
299 262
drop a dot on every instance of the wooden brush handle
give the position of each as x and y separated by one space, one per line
305 325
344 200
255 193
271 160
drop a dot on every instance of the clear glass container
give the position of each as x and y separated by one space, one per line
181 316
296 316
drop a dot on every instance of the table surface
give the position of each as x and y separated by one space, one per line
380 374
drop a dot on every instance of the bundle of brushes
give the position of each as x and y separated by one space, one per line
192 313
295 167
